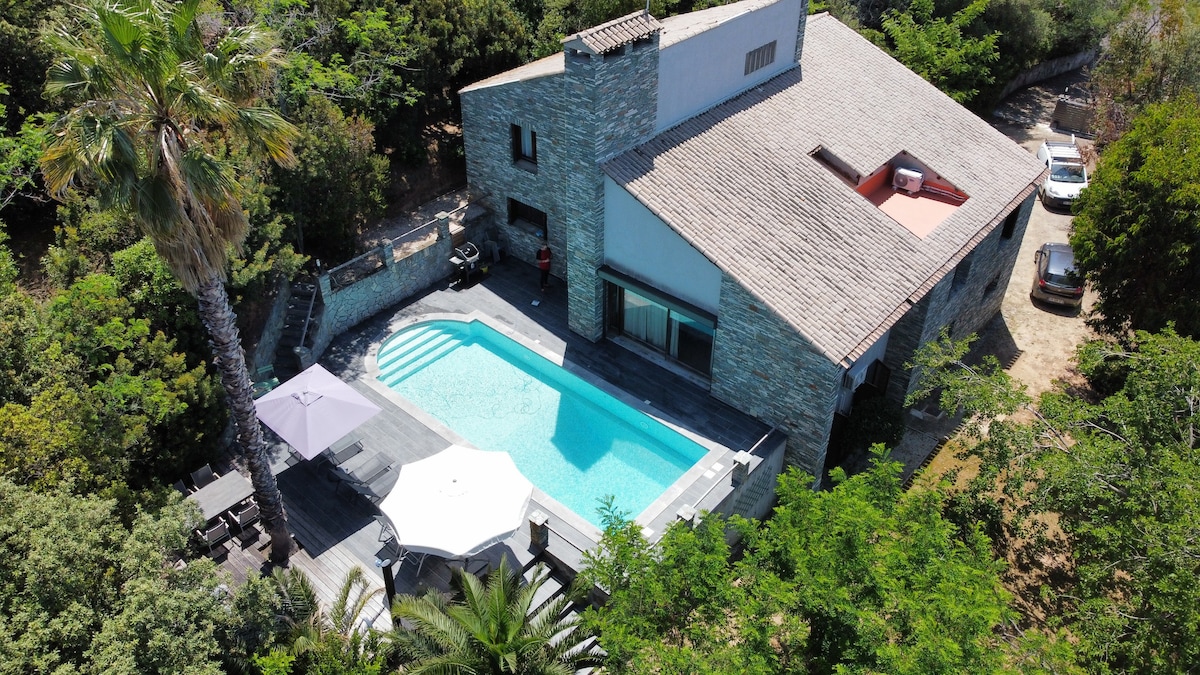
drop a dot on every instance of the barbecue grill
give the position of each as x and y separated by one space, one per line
465 260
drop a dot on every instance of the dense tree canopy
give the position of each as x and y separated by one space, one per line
1117 476
1151 56
81 592
1137 232
860 578
941 50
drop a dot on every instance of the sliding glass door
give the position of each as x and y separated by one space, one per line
687 339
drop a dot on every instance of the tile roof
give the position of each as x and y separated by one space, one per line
609 36
738 183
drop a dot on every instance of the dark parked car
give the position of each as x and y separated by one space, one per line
1055 279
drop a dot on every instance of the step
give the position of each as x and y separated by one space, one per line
402 343
550 589
398 351
402 368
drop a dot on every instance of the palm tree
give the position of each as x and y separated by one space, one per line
151 87
336 634
493 629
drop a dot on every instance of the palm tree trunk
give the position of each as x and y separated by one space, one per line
219 319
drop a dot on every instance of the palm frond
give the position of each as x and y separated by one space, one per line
145 94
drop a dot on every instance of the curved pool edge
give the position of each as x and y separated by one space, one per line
716 456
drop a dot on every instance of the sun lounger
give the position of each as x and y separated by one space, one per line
339 457
363 475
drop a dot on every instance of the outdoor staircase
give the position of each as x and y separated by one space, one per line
299 327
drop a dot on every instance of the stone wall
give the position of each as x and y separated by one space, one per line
395 281
966 307
617 95
268 342
764 368
800 29
1047 70
488 116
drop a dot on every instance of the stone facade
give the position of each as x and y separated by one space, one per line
599 106
764 368
488 116
964 300
614 98
800 29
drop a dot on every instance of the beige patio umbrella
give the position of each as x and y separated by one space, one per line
457 502
313 410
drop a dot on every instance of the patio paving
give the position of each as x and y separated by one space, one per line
337 529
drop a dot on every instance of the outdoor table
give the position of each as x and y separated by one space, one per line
222 494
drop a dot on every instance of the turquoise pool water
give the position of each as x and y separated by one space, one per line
572 440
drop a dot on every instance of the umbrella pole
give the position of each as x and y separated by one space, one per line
389 582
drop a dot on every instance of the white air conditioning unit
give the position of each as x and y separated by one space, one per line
907 179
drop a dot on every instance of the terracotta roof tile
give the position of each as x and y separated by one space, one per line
609 36
738 183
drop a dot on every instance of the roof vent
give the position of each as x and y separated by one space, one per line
907 179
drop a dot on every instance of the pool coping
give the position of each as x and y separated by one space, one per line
706 472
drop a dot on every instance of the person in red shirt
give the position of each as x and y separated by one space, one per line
543 263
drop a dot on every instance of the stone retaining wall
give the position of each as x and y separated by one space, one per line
398 279
268 342
1049 69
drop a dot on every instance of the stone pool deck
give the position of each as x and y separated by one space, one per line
338 531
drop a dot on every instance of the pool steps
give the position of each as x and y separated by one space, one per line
403 357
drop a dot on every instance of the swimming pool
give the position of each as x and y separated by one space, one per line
575 442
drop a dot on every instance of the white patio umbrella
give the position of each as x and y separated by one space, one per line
457 502
314 409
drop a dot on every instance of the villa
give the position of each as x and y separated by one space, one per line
760 200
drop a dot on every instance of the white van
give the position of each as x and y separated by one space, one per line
1068 173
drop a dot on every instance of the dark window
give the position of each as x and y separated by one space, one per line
961 274
992 286
522 212
761 57
687 339
1010 224
524 144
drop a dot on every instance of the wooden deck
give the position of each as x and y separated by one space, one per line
337 529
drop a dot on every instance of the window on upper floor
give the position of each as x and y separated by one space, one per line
961 274
761 57
524 146
1010 224
520 213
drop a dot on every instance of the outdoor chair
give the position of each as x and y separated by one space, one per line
215 534
339 457
203 476
245 516
392 548
364 490
181 487
264 381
